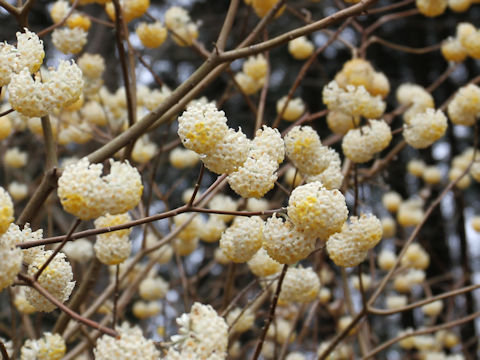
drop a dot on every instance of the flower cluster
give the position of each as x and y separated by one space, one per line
431 8
301 48
252 76
6 210
416 98
84 193
48 347
350 246
131 344
315 210
113 248
299 285
184 30
131 9
151 35
425 128
202 335
360 145
56 278
464 109
69 40
243 238
10 259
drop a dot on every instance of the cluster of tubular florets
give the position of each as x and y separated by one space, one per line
242 239
10 259
131 9
151 35
131 344
252 77
300 48
203 334
360 145
299 285
184 30
48 347
97 195
354 101
69 40
258 174
113 248
423 129
464 109
465 43
6 210
431 8
314 161
350 246
416 98
315 210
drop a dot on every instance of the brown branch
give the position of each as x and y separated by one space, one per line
227 25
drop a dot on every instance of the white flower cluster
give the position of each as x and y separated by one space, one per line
314 161
360 145
6 210
252 77
202 335
464 109
113 248
300 48
425 128
184 30
262 265
56 278
84 193
242 239
316 210
258 174
416 98
69 41
353 101
48 347
299 285
131 344
350 246
34 98
10 260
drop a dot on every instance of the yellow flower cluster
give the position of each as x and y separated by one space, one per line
317 211
151 35
84 193
360 145
416 98
10 260
131 9
300 48
56 279
131 344
144 150
431 8
465 43
262 265
295 108
350 246
252 76
410 212
262 7
332 176
92 65
113 248
184 30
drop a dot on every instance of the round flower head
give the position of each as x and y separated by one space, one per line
16 236
10 260
129 345
48 347
316 210
410 212
131 9
254 178
80 250
415 257
386 260
30 51
295 108
15 158
343 250
360 145
69 41
179 23
87 195
228 154
225 203
268 143
300 48
7 63
262 7
425 128
459 5
331 177
299 285
240 322
389 227
183 158
192 229
432 175
6 210
114 247
80 21
243 238
464 109
92 65
201 127
17 191
433 309
340 122
28 96
151 35
353 100
284 243
59 10
391 201
143 150
453 50
255 67
213 229
248 84
56 279
202 335
153 288
262 265
305 150
431 8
